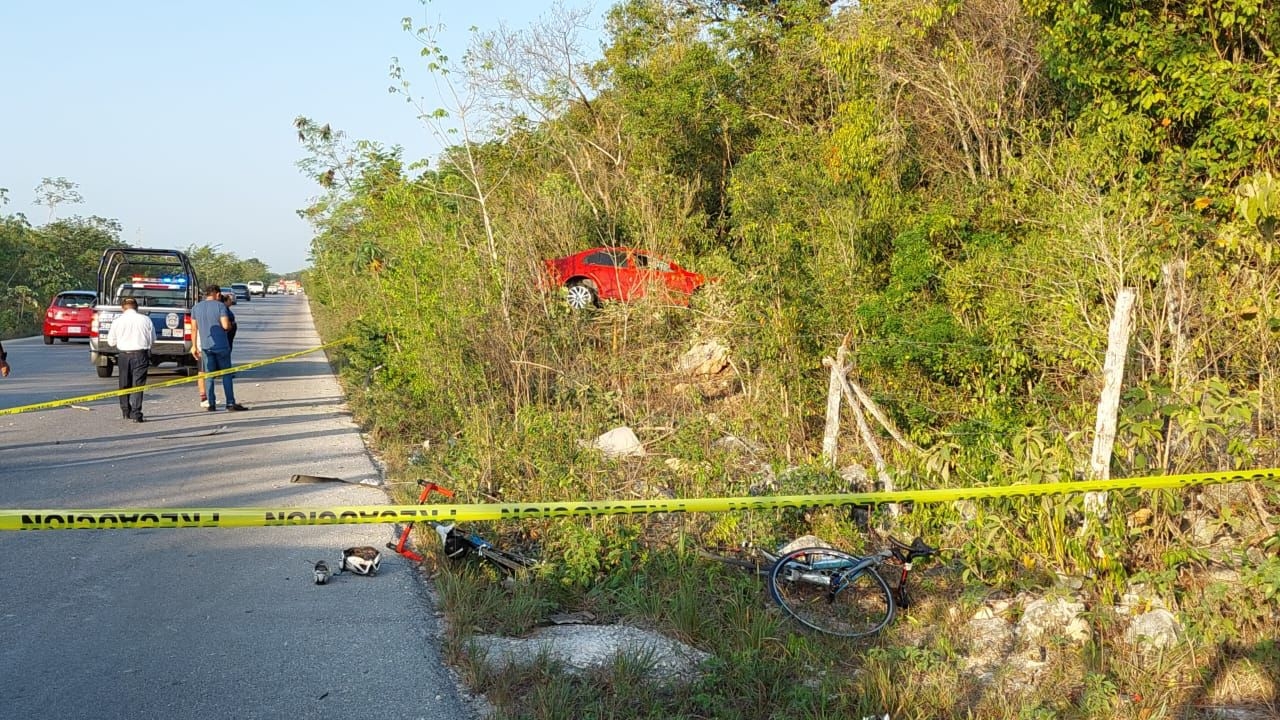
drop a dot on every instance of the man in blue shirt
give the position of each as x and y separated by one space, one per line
210 322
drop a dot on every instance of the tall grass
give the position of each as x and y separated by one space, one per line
521 434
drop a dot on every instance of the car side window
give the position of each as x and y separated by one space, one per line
605 259
652 263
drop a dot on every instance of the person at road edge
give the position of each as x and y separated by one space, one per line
132 334
211 322
4 362
228 300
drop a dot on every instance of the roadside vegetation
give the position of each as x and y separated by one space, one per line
958 190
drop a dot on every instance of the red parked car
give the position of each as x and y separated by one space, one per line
619 273
69 315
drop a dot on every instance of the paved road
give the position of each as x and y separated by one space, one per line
206 623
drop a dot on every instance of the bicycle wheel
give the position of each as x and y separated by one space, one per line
832 592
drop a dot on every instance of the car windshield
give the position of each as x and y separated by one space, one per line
652 263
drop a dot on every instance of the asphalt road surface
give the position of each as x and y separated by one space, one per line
203 623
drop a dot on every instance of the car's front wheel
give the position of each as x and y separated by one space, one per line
580 295
104 371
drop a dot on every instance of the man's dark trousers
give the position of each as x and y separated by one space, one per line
133 373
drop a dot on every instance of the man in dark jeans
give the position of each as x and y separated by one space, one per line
132 334
227 299
211 321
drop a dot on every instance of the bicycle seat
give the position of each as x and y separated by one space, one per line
916 550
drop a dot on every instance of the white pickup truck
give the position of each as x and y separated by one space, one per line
165 286
257 288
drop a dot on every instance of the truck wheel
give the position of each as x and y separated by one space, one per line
104 371
48 340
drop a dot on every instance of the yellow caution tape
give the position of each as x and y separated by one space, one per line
167 383
119 519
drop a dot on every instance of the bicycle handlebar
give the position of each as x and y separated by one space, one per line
918 549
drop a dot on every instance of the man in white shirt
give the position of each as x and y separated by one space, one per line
132 334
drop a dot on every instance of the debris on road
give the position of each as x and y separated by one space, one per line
366 482
362 560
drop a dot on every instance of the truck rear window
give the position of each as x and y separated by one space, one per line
151 296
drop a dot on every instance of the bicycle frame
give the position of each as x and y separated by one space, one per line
401 544
470 542
813 571
456 542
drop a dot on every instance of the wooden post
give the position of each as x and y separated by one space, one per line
1104 433
882 471
1175 292
879 415
831 431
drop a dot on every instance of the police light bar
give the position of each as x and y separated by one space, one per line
169 283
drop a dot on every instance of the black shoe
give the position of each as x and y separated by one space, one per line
236 407
211 407
138 419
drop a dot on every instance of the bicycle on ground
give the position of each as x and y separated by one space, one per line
837 593
459 543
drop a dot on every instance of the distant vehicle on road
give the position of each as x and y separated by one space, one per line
241 291
257 288
620 273
70 315
273 289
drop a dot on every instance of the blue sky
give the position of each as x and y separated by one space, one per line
176 119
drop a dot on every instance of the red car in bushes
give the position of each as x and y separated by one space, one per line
69 315
620 273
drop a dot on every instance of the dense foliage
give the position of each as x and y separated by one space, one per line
39 261
960 187
36 263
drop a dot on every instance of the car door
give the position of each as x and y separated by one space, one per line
652 275
611 272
